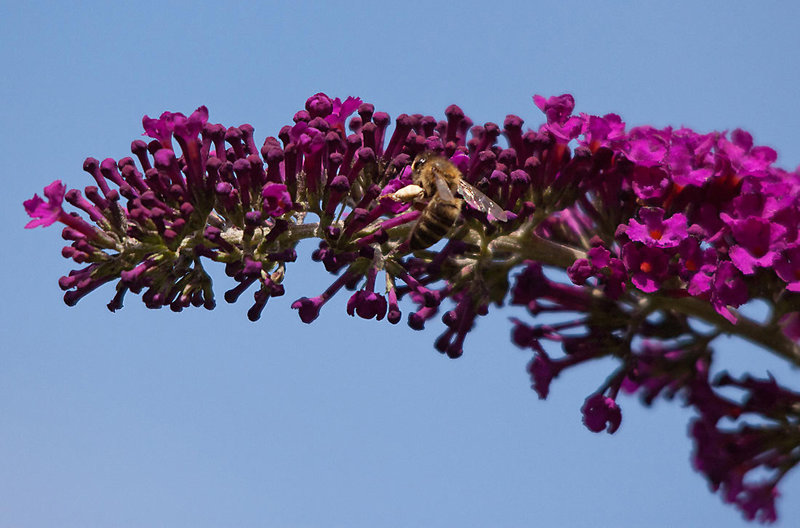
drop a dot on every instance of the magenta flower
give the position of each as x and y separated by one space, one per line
557 108
394 314
188 128
787 267
610 272
727 456
647 266
700 284
367 304
542 372
606 131
693 258
759 159
757 242
564 133
655 231
650 183
160 129
758 502
689 158
599 256
580 271
46 213
614 278
309 308
601 413
729 290
340 111
277 200
560 123
647 147
531 284
319 105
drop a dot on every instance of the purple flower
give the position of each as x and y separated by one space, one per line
523 335
729 290
564 133
758 501
693 258
188 128
601 412
531 284
394 314
542 371
726 457
646 265
277 200
752 203
701 283
580 271
341 111
787 267
655 231
319 105
46 213
610 272
304 136
689 159
764 397
557 108
389 204
599 256
650 183
460 160
614 279
367 304
169 122
758 159
160 129
309 308
758 242
647 147
606 131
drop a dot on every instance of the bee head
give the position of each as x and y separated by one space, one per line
420 160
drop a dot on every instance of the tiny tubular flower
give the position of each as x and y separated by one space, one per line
601 413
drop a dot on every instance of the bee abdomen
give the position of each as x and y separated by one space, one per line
436 221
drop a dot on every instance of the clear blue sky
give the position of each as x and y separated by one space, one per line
204 419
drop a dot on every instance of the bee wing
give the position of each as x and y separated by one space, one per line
443 190
480 201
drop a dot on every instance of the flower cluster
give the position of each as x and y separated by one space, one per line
654 228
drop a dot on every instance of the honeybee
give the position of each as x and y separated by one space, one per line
438 180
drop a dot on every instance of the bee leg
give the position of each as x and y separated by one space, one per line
407 193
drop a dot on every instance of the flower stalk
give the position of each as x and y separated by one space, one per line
649 228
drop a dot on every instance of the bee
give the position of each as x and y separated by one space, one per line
438 180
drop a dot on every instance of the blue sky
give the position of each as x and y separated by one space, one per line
201 419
